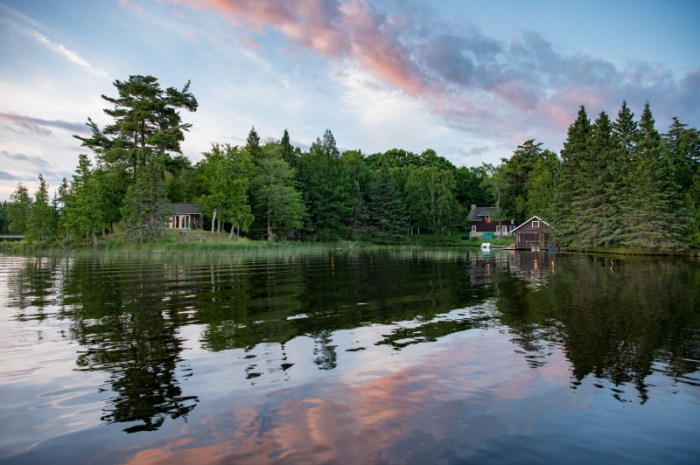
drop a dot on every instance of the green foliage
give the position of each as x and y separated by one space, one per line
389 221
17 210
42 218
574 175
616 184
525 182
471 186
224 178
277 198
431 200
146 205
83 209
327 189
622 185
4 223
146 125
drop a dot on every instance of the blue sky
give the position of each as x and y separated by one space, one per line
469 79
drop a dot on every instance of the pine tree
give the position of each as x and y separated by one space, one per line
683 148
17 210
600 213
653 213
41 220
252 145
572 181
389 221
83 212
327 189
287 150
146 206
146 125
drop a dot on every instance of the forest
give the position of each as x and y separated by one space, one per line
616 184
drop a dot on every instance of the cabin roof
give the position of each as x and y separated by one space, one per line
186 209
528 222
477 212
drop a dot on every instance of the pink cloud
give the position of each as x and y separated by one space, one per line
349 30
477 84
129 4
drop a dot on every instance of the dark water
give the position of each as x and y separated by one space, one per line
361 358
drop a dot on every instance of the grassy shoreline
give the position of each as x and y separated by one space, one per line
204 242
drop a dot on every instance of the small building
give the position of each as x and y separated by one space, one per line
482 223
185 216
534 235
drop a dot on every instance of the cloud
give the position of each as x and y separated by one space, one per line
34 163
474 82
130 4
29 27
26 124
5 176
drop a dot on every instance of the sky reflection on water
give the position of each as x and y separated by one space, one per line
366 359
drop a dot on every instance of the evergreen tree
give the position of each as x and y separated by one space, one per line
83 211
17 210
146 206
682 145
653 212
327 189
41 220
389 221
287 149
146 122
625 133
599 211
572 180
4 224
683 148
146 125
252 145
359 173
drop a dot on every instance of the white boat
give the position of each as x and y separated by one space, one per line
486 246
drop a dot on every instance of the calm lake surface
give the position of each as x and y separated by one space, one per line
350 358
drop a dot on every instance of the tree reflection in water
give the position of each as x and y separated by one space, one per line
125 328
616 319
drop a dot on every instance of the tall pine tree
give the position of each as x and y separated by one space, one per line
572 181
653 214
388 212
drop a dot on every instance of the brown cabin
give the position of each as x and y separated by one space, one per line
185 216
534 235
481 222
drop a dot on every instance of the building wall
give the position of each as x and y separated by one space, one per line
184 221
497 228
534 237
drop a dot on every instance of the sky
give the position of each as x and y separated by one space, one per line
470 79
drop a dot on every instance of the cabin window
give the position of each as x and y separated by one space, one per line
535 224
473 228
498 228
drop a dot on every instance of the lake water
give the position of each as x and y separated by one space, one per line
350 358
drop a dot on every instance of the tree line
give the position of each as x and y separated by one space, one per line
615 183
